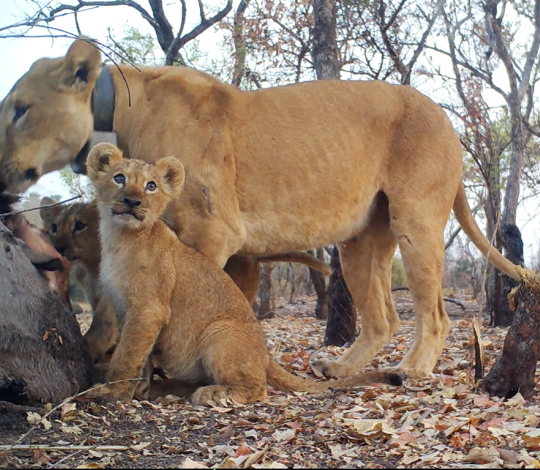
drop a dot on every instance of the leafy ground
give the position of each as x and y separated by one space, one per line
436 423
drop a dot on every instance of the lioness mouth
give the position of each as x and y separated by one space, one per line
132 214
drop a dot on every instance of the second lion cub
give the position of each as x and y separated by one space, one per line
174 304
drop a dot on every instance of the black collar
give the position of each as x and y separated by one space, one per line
103 110
103 101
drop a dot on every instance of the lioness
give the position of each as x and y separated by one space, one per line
74 232
364 164
175 304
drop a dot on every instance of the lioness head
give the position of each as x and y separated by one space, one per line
46 119
73 230
134 193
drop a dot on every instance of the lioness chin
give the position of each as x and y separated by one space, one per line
175 305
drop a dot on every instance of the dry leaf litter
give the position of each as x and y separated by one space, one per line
436 423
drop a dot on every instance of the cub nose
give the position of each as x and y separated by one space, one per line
131 203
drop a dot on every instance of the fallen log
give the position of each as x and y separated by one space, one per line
43 357
514 371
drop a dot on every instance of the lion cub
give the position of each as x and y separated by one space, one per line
73 231
176 305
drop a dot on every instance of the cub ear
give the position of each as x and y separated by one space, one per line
48 213
82 66
101 157
173 174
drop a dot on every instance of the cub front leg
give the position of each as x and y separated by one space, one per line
137 339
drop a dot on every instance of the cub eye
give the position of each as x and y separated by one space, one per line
19 111
120 179
53 229
151 186
79 226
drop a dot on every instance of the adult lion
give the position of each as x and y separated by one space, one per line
367 165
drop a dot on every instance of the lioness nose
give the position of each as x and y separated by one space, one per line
131 202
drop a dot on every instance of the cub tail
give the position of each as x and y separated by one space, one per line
279 378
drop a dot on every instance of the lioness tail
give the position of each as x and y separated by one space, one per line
466 220
299 257
280 379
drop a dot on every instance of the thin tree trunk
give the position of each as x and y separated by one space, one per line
342 314
514 371
43 357
266 308
319 284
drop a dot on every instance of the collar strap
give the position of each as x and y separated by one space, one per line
103 101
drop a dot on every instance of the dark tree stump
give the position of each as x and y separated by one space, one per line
513 250
43 357
342 314
319 284
514 371
266 308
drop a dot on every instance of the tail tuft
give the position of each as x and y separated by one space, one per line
395 379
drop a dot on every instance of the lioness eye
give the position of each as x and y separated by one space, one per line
151 186
19 111
79 226
120 179
53 229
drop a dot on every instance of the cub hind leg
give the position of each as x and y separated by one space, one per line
235 356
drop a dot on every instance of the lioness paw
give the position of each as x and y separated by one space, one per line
332 368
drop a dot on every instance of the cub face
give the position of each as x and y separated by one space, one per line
73 230
132 192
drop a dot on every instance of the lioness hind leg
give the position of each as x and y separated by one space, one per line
366 262
235 356
421 244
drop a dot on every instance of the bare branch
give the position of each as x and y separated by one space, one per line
181 41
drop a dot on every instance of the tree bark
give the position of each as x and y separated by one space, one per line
319 284
342 314
265 309
325 50
514 371
43 357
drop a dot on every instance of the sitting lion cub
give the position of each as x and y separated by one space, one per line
73 231
174 304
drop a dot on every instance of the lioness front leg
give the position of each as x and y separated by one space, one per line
137 339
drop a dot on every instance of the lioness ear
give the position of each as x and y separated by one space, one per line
48 213
173 174
101 157
82 66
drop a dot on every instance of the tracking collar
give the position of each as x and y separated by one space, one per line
102 103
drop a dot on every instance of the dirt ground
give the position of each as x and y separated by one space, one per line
440 422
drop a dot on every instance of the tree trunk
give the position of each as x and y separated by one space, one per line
43 357
325 50
514 371
342 314
266 309
319 284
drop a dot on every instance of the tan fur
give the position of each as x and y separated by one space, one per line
176 305
73 230
367 165
245 270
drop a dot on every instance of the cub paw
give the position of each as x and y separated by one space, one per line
210 395
111 392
